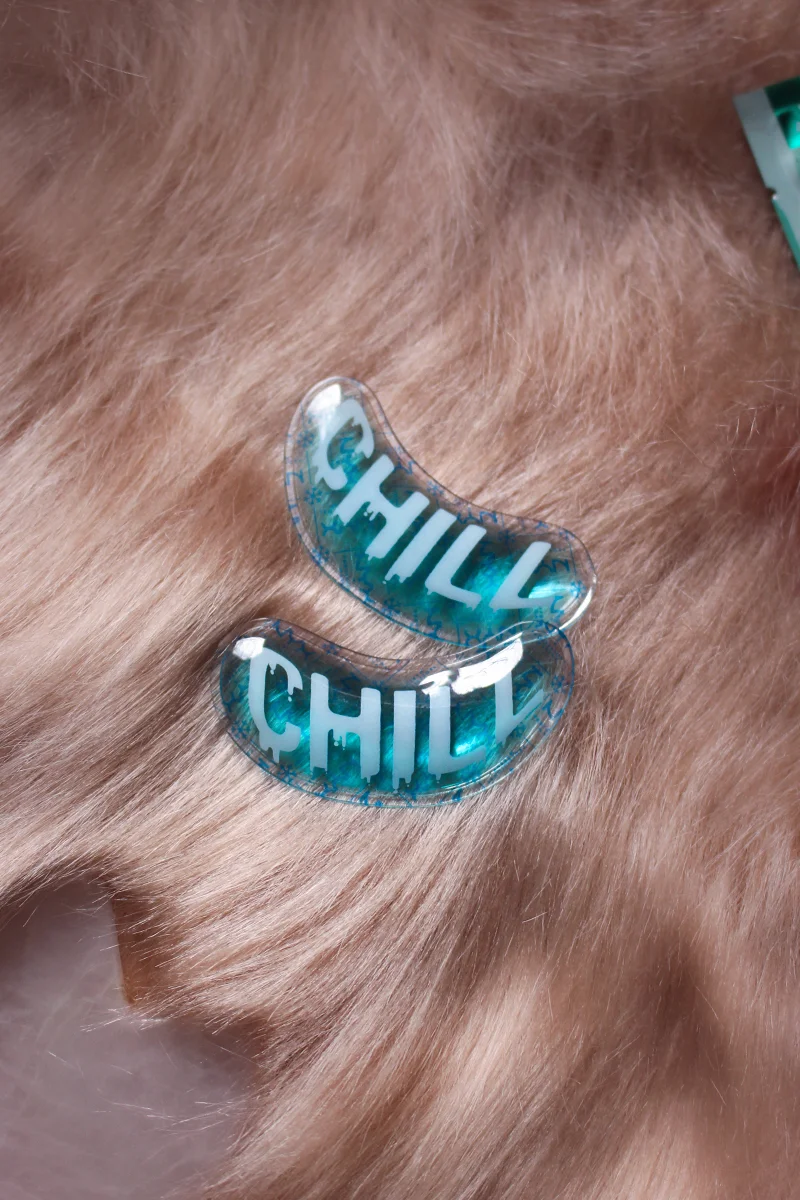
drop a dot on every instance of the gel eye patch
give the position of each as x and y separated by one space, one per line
344 726
394 537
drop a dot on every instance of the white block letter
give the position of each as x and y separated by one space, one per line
268 738
505 719
421 545
367 490
367 725
330 422
405 737
440 760
440 579
507 595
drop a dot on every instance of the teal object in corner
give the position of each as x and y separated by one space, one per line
771 120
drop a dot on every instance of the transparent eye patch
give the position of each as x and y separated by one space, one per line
388 533
348 727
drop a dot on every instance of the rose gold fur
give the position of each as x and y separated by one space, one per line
536 230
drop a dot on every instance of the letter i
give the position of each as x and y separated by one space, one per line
404 737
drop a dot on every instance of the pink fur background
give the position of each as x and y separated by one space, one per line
535 229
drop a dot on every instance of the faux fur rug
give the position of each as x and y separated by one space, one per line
535 229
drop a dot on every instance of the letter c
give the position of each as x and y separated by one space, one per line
330 421
268 738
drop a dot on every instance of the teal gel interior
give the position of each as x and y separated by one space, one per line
391 535
348 727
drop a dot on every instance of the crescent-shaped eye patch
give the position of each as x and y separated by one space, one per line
390 534
345 726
